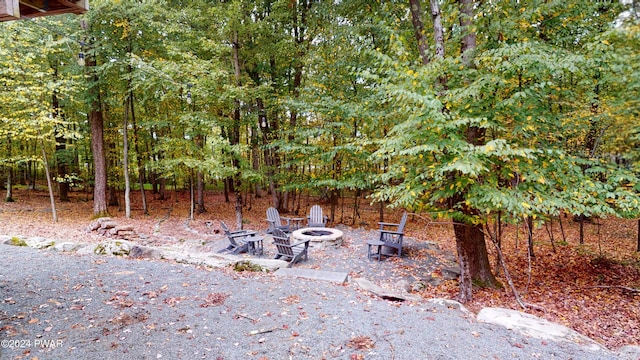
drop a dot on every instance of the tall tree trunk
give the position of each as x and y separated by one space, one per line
418 28
125 160
470 242
469 37
97 145
54 213
200 193
136 145
438 37
438 29
235 135
9 194
61 146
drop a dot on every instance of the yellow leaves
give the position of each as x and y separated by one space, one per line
541 180
606 42
525 205
124 24
529 118
489 148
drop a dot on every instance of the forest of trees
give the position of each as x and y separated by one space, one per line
467 110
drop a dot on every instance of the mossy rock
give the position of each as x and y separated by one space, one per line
16 241
117 248
247 266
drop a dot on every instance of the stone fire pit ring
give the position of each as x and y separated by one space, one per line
319 237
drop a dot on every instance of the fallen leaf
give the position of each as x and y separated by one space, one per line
361 343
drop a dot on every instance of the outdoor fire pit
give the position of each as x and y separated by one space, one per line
319 237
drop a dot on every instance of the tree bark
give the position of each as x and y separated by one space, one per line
97 146
235 136
469 38
136 141
61 145
54 213
9 195
418 28
470 242
125 160
474 259
438 30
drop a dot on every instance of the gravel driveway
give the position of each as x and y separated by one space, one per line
68 306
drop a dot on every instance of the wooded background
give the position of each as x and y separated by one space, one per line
481 112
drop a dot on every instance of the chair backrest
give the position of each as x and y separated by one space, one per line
315 216
282 243
225 228
403 221
273 216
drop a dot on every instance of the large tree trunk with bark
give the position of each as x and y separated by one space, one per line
418 28
235 136
200 193
472 248
97 147
473 258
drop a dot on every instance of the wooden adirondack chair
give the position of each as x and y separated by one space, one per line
237 239
315 218
275 221
392 234
288 251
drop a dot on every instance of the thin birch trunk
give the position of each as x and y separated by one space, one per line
54 213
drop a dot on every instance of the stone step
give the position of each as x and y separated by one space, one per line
333 276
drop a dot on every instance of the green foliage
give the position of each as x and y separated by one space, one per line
331 97
534 103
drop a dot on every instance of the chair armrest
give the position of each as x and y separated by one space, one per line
235 232
243 233
286 219
383 224
301 242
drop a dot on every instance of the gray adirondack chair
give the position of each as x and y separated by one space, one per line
275 221
315 218
288 251
237 239
392 234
